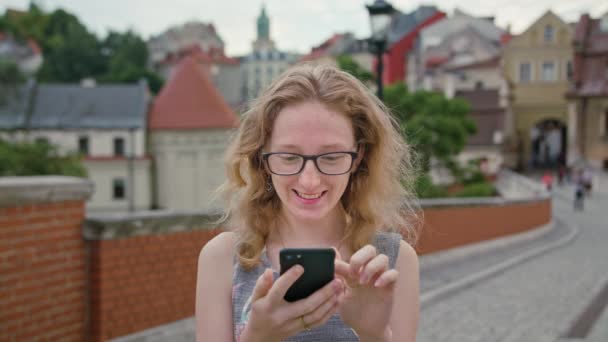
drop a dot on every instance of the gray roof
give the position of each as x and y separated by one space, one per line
60 106
404 23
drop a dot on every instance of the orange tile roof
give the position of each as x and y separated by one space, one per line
189 100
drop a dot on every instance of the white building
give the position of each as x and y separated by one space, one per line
264 63
106 124
190 126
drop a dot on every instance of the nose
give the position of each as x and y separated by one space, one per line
310 177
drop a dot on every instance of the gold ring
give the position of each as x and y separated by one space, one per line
306 327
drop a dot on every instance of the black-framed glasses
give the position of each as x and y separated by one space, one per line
288 164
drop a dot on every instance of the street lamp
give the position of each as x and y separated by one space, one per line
380 14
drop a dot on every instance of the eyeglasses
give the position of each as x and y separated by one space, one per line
288 164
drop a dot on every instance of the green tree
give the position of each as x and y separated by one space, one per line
348 64
127 56
40 158
71 52
10 79
436 126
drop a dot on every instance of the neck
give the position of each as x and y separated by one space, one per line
326 232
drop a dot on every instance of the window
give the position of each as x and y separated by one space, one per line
118 188
569 71
548 74
525 72
83 145
119 146
478 85
549 34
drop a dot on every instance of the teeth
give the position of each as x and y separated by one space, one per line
309 196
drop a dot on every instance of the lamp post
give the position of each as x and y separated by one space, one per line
380 14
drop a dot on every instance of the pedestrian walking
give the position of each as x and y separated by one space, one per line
547 180
579 195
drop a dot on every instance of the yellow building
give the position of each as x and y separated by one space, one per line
588 94
538 65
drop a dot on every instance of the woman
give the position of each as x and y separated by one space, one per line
317 162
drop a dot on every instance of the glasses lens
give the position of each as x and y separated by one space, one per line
335 163
284 163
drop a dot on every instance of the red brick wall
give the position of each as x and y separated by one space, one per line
141 282
42 272
457 226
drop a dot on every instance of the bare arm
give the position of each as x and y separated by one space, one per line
214 289
404 317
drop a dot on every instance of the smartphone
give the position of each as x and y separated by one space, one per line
318 266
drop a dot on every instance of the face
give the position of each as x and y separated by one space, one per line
311 128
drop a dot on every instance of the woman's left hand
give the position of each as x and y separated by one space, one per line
369 299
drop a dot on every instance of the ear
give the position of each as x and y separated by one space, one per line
360 155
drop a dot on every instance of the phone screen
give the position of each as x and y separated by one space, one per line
318 266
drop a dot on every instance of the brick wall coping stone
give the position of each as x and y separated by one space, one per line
143 223
27 190
514 189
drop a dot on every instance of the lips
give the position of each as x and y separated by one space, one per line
309 196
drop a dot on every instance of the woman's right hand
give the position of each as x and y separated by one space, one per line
272 318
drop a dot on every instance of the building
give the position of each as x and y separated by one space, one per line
190 126
537 64
170 43
341 44
456 40
224 71
27 55
588 93
264 63
402 39
106 124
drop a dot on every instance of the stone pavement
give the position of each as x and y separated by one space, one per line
538 299
531 287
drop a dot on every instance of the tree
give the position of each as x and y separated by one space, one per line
71 52
348 64
127 56
437 127
40 158
10 79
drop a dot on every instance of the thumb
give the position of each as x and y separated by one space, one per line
262 286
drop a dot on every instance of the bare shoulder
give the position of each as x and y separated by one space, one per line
407 255
221 246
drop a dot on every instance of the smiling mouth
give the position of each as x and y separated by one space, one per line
309 196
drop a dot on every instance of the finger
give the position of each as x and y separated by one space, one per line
262 285
315 300
387 278
373 269
284 282
360 258
317 318
342 268
338 255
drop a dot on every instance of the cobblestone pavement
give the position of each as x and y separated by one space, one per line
553 275
539 299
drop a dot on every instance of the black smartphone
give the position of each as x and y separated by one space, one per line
318 266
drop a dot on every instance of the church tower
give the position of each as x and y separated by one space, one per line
263 41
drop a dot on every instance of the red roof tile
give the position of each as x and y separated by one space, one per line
189 100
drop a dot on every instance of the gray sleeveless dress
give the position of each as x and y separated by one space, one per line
334 330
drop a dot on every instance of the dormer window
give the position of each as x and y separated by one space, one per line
549 34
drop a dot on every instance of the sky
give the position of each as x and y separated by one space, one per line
295 25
